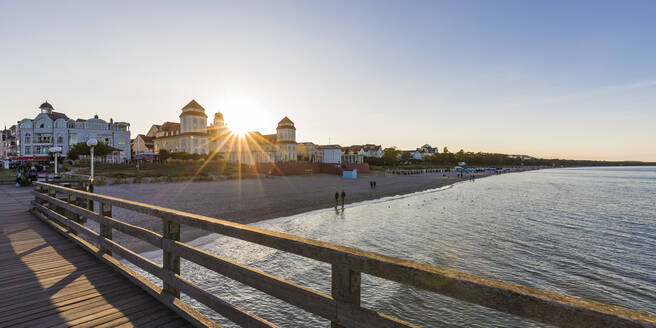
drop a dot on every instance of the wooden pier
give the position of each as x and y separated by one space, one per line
49 280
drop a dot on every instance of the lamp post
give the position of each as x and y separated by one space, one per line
56 151
92 143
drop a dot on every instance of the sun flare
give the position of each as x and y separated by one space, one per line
238 128
243 114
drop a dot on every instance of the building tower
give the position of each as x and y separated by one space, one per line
193 118
286 140
218 119
219 134
46 108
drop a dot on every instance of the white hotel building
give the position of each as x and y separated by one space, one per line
50 128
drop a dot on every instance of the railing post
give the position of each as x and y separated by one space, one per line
171 261
71 199
105 230
90 201
345 287
52 193
42 190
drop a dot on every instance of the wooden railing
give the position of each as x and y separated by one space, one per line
342 307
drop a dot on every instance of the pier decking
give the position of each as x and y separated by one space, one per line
48 281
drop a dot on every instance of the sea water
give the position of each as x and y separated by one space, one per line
586 232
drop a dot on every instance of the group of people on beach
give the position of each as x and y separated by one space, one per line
470 177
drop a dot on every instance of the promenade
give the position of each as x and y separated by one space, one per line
48 281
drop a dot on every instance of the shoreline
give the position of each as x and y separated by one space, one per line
255 200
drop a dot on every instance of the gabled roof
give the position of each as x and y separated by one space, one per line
329 147
285 120
170 126
145 138
193 104
270 137
371 147
428 150
56 115
367 147
255 137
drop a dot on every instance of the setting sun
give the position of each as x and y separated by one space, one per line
238 129
243 114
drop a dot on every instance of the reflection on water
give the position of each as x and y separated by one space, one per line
584 232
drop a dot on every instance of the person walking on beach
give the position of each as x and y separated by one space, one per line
337 198
371 184
343 197
374 184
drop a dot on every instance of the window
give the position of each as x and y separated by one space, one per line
95 126
72 139
43 123
28 138
43 138
71 125
28 150
60 139
195 122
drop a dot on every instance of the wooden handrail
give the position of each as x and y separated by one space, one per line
222 307
343 306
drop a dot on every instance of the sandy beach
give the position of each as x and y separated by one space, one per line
248 201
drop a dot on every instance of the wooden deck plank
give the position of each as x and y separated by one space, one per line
70 288
47 280
62 303
35 317
148 312
135 312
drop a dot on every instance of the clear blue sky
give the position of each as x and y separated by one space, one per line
570 79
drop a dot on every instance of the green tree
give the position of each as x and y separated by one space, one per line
406 156
446 150
77 150
391 156
460 156
101 150
164 155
